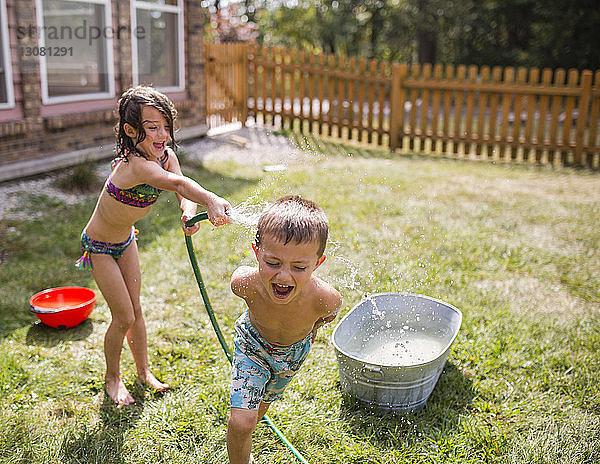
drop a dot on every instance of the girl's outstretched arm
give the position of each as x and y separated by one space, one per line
184 187
188 208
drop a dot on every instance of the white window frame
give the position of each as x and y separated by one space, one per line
178 9
110 62
10 92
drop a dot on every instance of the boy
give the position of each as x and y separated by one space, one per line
286 306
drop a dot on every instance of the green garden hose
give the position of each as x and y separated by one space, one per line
190 248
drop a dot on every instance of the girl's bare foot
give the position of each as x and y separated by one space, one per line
115 388
152 382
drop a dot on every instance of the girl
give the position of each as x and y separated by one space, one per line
143 168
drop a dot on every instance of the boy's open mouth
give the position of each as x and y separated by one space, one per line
281 291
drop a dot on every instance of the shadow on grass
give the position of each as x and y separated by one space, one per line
40 252
105 442
42 335
450 398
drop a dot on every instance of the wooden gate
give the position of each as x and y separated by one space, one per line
226 67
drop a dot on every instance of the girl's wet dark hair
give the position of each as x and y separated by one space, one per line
130 111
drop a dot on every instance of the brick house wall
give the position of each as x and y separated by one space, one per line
32 131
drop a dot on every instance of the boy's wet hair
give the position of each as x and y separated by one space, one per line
294 219
130 111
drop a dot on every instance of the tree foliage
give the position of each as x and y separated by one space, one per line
550 33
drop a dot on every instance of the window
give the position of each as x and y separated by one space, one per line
6 84
75 39
158 44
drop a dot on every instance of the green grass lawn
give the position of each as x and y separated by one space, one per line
516 249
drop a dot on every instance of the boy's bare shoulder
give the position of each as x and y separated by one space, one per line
243 281
327 299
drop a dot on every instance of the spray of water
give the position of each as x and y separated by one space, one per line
349 279
247 213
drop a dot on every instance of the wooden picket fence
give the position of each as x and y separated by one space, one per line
500 114
226 75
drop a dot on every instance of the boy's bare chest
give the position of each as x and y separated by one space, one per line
283 324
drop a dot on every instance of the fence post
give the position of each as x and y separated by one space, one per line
397 97
243 85
582 115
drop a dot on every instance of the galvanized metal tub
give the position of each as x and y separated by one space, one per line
391 349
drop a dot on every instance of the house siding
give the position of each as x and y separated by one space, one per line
33 131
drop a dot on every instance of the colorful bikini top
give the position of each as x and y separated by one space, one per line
141 195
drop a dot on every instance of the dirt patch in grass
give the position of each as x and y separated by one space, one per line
530 294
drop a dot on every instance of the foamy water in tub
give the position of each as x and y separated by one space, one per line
400 348
387 339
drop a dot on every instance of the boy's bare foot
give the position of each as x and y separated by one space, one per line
115 388
153 382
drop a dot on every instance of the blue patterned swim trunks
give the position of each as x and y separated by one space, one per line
260 370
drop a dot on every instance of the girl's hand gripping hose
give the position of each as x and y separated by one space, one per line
197 218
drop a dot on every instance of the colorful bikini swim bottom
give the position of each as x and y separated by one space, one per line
89 246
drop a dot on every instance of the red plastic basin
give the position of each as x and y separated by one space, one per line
63 307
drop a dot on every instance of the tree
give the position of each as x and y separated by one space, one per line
427 30
552 33
229 23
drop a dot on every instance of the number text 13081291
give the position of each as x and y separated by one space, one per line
46 51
